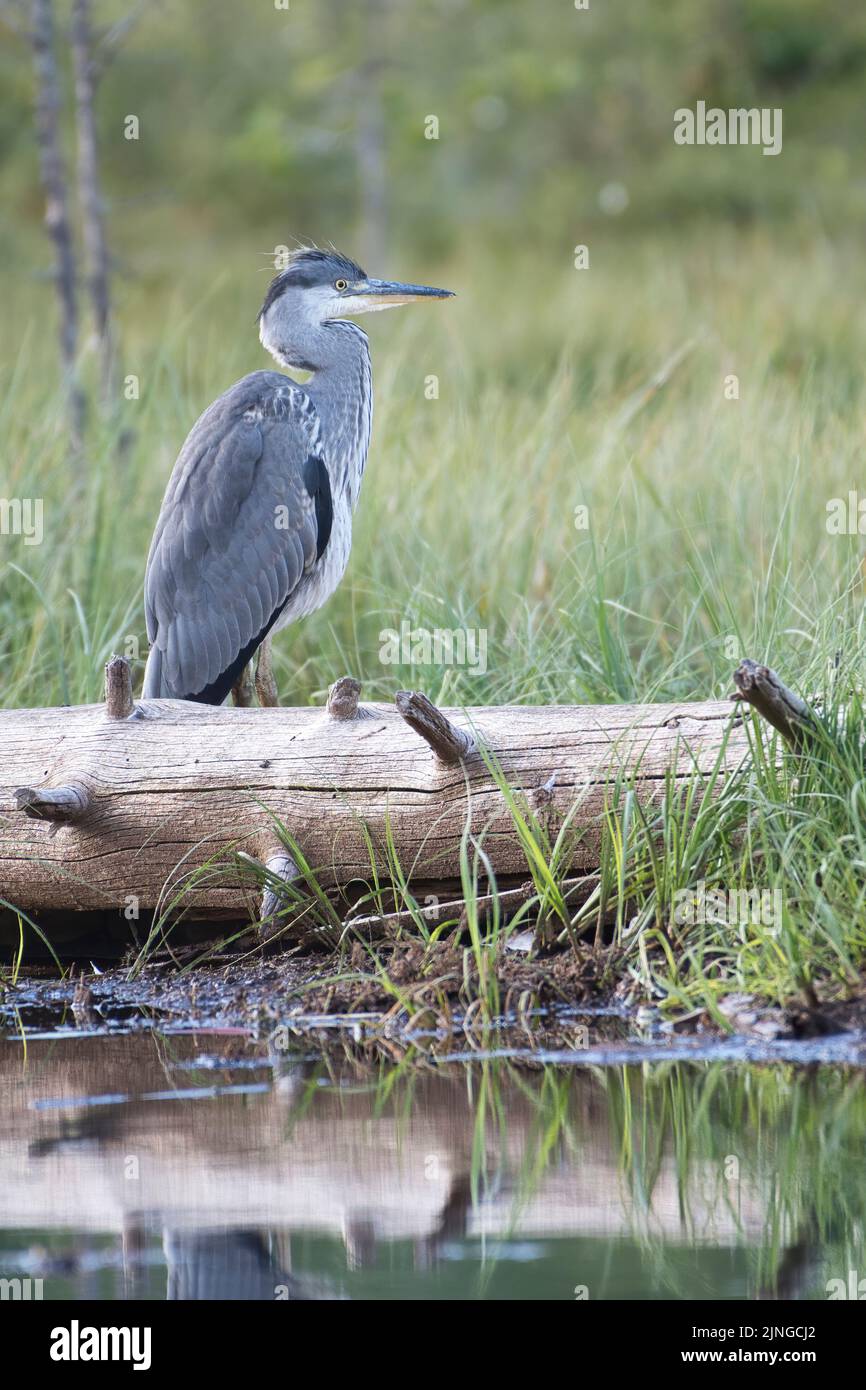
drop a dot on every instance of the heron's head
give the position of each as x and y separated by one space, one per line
317 287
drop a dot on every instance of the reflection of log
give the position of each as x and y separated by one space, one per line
102 804
339 1161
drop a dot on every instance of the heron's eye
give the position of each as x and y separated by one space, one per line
341 284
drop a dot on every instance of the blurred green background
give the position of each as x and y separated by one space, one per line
557 388
252 121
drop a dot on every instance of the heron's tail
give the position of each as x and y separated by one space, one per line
152 688
156 687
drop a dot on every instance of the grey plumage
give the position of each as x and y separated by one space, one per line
220 568
255 527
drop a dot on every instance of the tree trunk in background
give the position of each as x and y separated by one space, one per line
371 141
90 193
57 220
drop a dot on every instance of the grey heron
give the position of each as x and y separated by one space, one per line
256 523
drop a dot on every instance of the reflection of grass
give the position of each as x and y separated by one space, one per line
706 538
794 1199
795 1140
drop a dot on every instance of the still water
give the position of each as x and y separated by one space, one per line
183 1166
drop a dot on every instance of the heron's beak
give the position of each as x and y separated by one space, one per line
366 296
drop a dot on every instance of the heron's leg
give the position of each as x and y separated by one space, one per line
266 685
242 691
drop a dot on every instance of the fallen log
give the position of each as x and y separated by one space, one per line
130 803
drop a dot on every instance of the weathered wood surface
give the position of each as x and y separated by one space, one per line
155 794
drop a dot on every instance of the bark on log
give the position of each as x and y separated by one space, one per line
175 785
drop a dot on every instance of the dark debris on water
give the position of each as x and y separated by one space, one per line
424 997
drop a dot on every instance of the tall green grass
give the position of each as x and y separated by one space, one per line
706 534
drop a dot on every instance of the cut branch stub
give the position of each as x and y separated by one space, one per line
54 803
283 868
449 743
343 698
760 687
119 703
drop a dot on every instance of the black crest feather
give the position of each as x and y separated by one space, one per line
310 266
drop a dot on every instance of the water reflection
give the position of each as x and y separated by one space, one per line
202 1168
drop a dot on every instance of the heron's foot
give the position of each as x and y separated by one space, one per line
266 685
242 691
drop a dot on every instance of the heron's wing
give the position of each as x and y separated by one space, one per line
243 519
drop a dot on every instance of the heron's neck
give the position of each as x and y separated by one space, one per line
342 393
